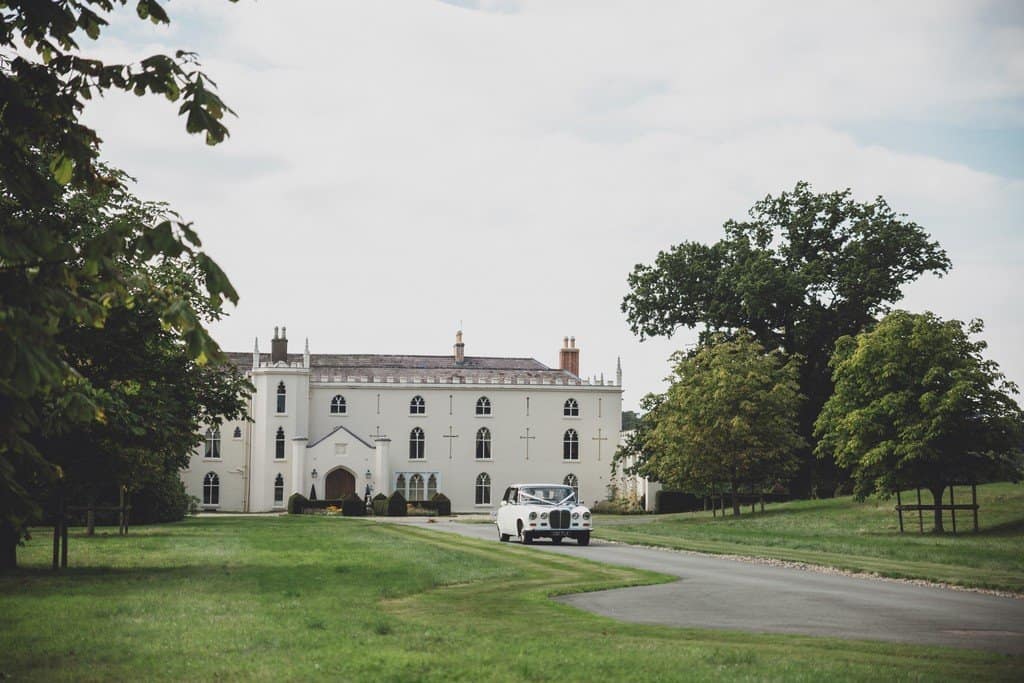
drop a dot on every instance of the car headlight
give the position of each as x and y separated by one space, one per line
543 515
533 515
586 515
575 515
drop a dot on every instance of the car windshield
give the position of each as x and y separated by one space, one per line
546 495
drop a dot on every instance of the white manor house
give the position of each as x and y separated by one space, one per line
465 426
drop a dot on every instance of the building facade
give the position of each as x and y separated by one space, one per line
465 426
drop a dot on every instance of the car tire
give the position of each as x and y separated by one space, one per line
583 538
527 537
556 540
502 537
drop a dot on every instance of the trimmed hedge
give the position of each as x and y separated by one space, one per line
380 505
666 502
297 504
353 506
396 505
442 505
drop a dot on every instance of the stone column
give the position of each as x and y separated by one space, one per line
298 464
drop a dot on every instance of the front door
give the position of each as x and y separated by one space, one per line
340 483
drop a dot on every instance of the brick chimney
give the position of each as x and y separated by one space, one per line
569 356
279 346
460 349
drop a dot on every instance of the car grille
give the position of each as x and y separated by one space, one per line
559 519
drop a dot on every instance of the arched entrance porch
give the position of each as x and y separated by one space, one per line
339 484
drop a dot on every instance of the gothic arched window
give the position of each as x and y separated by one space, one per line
417 406
281 396
338 405
571 445
212 443
416 487
483 489
483 444
416 444
483 406
211 489
278 490
574 482
571 408
279 444
400 486
431 487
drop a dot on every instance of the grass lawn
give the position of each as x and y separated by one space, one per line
856 536
293 598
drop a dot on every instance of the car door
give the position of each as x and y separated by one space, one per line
506 513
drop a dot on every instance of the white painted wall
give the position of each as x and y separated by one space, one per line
450 408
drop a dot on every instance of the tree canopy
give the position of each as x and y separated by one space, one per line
803 271
916 404
729 417
73 244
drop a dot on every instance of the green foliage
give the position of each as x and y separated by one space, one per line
75 247
441 504
162 499
397 505
297 503
667 502
804 270
730 416
630 420
353 506
380 506
916 404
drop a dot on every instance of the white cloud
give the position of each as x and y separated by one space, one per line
397 167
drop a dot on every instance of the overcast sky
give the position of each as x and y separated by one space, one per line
398 167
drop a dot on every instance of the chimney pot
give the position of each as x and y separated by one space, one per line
279 347
459 348
569 357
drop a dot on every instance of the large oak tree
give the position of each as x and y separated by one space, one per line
916 404
804 270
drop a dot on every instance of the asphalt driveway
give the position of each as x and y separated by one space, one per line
720 593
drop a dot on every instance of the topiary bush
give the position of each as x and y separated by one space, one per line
441 504
297 504
380 505
161 500
353 506
396 505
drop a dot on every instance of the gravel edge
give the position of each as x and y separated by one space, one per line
823 569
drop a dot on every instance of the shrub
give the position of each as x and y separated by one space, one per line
396 505
353 506
618 506
666 502
380 506
297 504
441 504
160 500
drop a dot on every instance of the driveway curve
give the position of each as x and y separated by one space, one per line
722 593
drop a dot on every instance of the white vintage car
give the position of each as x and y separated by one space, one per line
530 511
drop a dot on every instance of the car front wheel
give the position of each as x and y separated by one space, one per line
583 538
502 537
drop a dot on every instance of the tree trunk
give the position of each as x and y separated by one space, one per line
8 547
735 501
937 499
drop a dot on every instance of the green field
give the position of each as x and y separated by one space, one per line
864 537
294 598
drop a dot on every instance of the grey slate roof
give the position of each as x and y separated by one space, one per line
443 368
